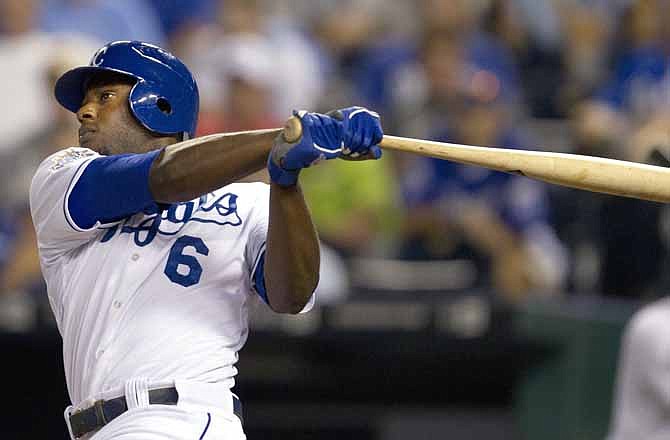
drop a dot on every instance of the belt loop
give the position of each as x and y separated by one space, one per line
66 414
100 412
137 392
142 387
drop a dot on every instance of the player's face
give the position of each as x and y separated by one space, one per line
107 124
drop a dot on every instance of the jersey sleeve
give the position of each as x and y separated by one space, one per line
48 192
255 247
75 192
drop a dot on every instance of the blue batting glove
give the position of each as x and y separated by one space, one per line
352 132
362 132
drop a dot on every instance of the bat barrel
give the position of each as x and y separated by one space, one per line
597 174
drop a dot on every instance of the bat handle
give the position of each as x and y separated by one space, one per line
292 131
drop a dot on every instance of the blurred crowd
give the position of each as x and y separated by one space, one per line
582 76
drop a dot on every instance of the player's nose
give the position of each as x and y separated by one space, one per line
87 112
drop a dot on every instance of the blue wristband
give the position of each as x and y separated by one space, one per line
280 176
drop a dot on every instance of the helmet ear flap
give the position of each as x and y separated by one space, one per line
154 112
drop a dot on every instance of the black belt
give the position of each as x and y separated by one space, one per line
104 411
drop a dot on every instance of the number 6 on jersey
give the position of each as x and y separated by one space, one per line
178 258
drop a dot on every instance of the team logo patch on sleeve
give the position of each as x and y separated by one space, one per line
62 158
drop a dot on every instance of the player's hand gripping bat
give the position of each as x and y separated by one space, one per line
618 177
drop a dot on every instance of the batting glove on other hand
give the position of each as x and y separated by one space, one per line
352 132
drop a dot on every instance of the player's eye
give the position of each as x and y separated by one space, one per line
106 96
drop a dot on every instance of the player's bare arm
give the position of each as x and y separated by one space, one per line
188 169
292 255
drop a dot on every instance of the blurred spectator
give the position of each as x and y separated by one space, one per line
245 39
243 85
598 130
23 52
396 19
567 49
430 90
178 16
103 20
8 231
537 47
489 48
586 54
60 130
603 233
343 33
499 221
20 271
334 281
391 75
543 19
638 85
356 39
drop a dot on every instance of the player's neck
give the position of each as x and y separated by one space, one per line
159 142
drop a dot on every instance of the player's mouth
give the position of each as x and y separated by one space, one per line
85 135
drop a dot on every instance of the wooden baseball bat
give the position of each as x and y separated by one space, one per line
597 174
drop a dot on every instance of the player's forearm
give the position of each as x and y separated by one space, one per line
189 169
292 251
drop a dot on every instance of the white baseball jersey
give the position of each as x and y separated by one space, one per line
641 407
161 295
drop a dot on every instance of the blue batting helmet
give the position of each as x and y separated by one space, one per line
164 98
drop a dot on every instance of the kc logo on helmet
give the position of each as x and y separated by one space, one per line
97 58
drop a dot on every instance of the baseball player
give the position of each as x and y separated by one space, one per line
641 408
152 253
